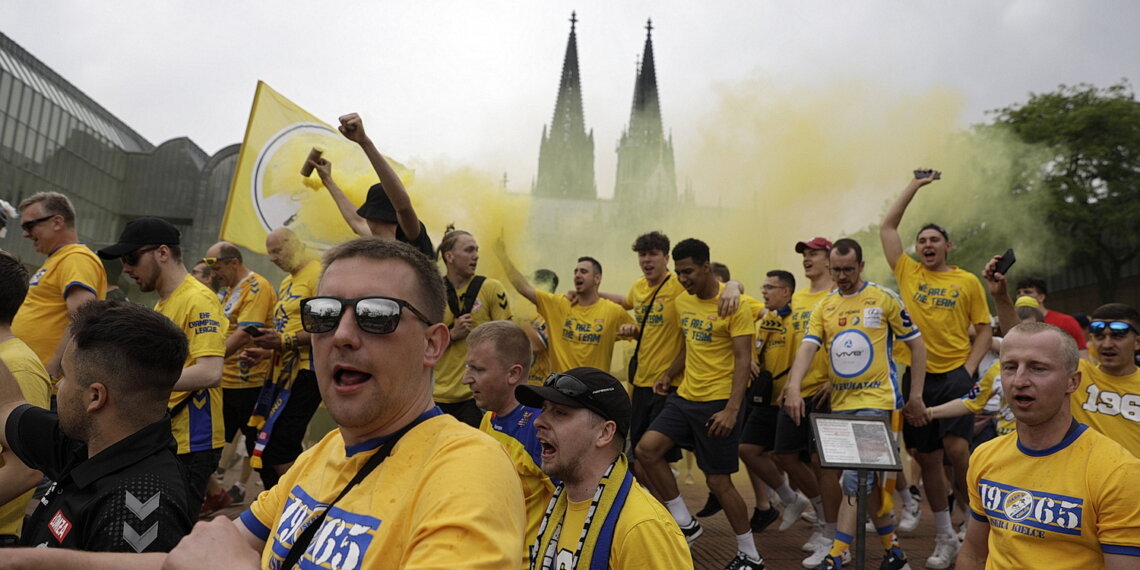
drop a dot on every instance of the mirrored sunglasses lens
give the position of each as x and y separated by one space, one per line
320 315
380 316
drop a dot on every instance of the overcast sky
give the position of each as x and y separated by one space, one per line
473 83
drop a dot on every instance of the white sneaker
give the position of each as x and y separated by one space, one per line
910 518
821 553
946 548
815 540
809 516
793 511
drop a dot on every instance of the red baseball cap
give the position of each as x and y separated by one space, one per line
814 243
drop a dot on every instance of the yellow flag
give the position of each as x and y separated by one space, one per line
268 190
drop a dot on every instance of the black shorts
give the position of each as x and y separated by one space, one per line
939 389
760 426
686 423
200 466
466 411
792 438
237 406
646 407
289 430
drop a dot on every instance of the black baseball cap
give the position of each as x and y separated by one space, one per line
584 387
377 206
140 232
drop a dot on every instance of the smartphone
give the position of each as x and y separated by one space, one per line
1005 262
252 330
925 173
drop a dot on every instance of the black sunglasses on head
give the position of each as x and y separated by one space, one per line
376 315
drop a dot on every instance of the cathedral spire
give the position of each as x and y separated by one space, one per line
645 170
566 157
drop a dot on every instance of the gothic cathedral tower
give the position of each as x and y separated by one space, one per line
645 172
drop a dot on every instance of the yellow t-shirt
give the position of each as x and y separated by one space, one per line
709 357
490 305
516 433
195 309
661 332
43 316
645 536
586 335
447 497
1056 508
858 333
943 304
775 347
287 318
1109 404
983 391
36 386
803 301
250 303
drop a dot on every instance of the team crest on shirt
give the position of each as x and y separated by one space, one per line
1030 512
59 526
341 542
476 306
1017 505
35 280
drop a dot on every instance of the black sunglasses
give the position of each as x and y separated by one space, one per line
376 315
568 385
28 225
133 257
1115 328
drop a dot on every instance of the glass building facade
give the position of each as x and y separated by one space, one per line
53 137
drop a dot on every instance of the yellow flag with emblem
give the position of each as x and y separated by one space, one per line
268 190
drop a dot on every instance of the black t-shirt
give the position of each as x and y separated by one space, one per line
130 497
422 243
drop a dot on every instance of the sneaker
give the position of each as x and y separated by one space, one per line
910 518
215 502
809 516
238 495
914 492
793 511
745 562
832 562
815 540
894 559
692 531
712 507
761 519
821 557
945 550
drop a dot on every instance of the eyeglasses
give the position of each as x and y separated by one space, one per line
844 270
767 287
28 225
376 315
133 257
211 261
1117 329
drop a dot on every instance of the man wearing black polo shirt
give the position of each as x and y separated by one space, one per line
118 485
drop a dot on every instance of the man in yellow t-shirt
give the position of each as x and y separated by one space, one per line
71 276
471 301
944 302
581 334
1108 398
582 429
36 386
498 356
248 302
857 325
444 496
1054 493
290 398
152 256
704 413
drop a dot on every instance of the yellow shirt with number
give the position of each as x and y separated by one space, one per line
943 305
287 319
1109 404
858 334
43 316
709 357
199 425
490 305
803 301
36 386
661 332
249 304
581 335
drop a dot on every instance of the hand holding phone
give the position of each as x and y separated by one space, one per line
926 174
252 331
1006 261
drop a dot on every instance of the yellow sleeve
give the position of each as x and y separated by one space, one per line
741 322
206 330
979 308
259 310
651 542
1118 516
552 306
973 474
83 270
975 400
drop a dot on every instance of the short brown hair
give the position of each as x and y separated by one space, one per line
54 204
511 344
1068 346
430 290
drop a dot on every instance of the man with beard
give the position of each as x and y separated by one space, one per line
152 256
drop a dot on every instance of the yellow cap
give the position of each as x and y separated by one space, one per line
1027 301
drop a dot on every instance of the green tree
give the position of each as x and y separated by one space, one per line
1090 175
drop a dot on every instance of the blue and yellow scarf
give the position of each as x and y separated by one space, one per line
597 533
